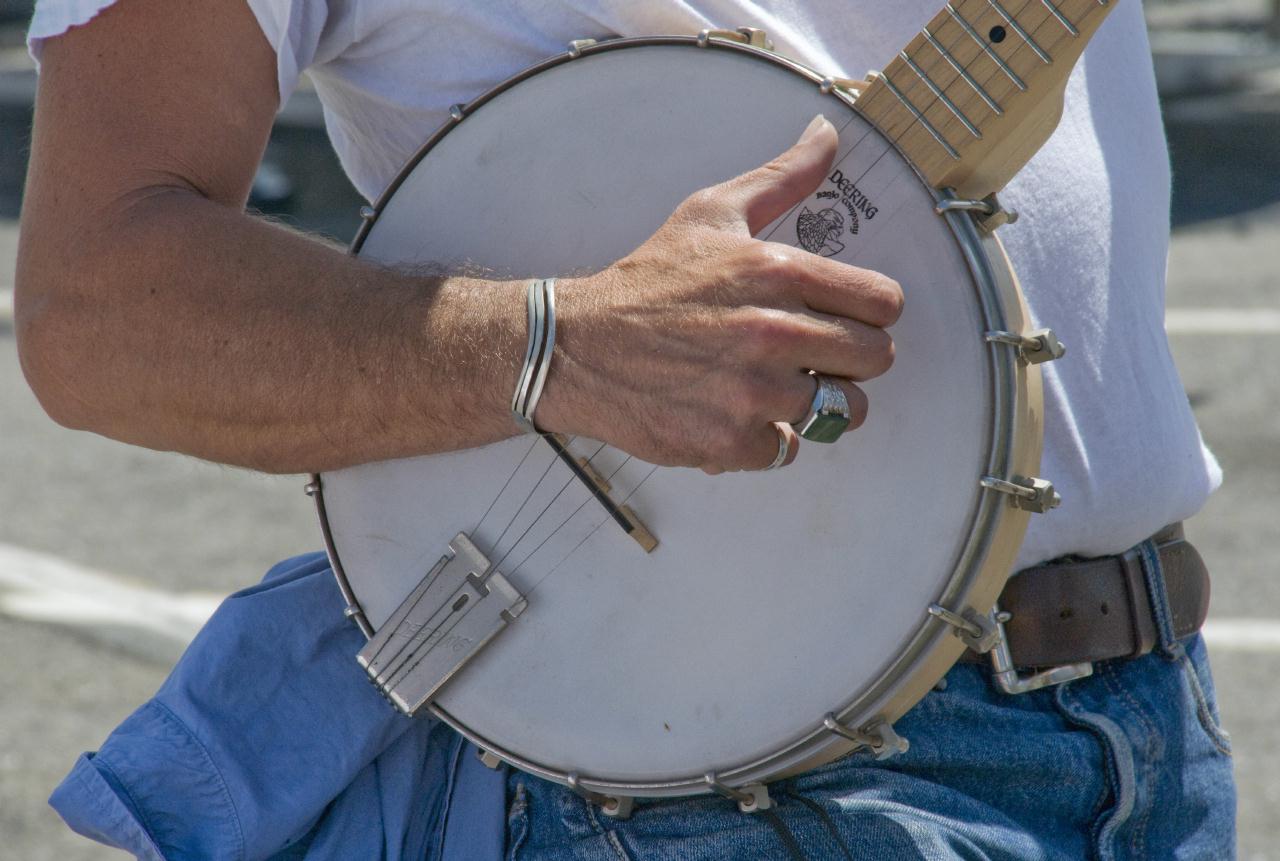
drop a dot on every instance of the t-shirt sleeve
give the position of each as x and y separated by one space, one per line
55 17
293 28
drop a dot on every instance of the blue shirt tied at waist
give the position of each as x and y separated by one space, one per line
268 742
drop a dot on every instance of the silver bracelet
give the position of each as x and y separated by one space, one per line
541 305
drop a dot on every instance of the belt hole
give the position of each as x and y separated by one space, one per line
1066 613
1105 608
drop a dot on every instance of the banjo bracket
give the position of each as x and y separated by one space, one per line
985 634
989 215
751 798
753 36
613 806
878 736
454 612
1030 493
1034 348
977 630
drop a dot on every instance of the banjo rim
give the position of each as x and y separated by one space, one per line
1015 440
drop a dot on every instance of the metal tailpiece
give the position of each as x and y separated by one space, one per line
1029 494
1005 674
1034 348
454 612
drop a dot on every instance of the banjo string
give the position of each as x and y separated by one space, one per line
409 644
587 537
848 154
653 469
416 643
501 492
565 524
931 102
528 496
628 458
505 485
569 482
852 150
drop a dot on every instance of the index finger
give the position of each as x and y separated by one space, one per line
831 287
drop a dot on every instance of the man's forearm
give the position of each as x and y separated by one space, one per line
151 309
182 324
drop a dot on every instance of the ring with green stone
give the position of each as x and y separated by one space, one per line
828 415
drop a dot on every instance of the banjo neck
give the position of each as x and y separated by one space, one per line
979 90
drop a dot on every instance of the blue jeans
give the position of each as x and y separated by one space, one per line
1129 763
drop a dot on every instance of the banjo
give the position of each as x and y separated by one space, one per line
631 630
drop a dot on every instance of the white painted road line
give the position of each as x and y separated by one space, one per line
41 587
1222 321
1242 635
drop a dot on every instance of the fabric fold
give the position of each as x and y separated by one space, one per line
267 740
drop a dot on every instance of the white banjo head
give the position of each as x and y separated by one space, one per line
772 598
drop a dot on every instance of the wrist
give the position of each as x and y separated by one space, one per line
473 341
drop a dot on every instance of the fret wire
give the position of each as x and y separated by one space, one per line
940 93
1052 41
1062 19
951 151
984 92
1017 28
991 52
959 67
919 115
973 130
963 72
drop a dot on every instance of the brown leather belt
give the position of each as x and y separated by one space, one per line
1082 610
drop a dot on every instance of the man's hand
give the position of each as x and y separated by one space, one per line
688 351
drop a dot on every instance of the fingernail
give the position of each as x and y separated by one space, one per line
815 125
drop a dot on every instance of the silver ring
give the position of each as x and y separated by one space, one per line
828 415
784 449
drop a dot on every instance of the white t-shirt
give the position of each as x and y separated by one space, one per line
1120 440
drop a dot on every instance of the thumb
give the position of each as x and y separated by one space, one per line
764 194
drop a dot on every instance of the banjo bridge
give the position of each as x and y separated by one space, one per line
457 609
599 487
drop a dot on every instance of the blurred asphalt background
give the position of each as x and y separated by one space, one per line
110 556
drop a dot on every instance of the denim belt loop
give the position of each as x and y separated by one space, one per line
1153 576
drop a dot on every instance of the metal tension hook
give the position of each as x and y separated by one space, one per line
1029 494
751 798
1034 348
